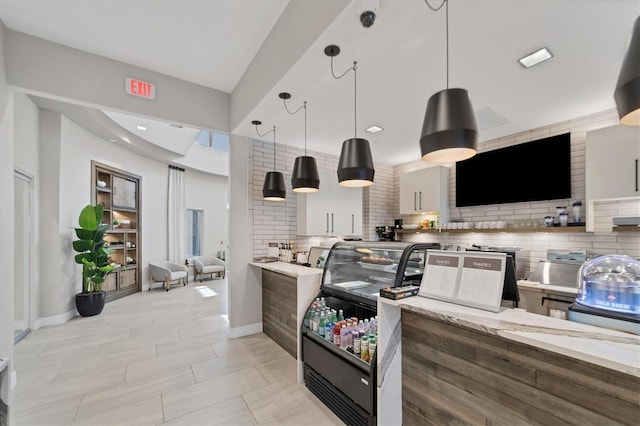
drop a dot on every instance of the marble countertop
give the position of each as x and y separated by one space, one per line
290 269
534 285
612 349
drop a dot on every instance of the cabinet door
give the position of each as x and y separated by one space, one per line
349 211
127 278
110 282
408 193
124 193
432 190
612 156
315 209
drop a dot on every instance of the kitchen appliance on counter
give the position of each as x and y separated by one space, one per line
609 293
385 233
552 290
340 374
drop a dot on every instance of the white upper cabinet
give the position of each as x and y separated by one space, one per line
333 210
425 191
612 156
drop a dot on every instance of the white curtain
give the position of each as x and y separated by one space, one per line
177 211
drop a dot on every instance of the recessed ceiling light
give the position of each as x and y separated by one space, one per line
535 58
139 127
177 126
126 139
374 129
112 140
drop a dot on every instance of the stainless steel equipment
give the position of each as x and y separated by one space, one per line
554 290
385 233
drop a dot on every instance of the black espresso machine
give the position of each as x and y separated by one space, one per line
385 233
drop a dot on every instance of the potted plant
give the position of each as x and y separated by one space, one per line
94 257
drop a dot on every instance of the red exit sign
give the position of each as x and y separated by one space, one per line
140 88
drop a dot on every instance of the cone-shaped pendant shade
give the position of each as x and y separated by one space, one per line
355 168
627 93
305 176
273 188
449 130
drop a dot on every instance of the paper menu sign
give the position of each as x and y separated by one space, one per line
440 276
465 278
481 281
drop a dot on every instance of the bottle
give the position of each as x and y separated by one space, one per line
349 334
356 344
343 337
316 303
328 332
321 323
372 346
323 302
307 318
316 321
373 326
336 334
367 326
364 348
340 315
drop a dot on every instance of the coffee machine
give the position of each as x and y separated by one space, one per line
385 233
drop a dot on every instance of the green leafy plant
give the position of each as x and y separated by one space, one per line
92 248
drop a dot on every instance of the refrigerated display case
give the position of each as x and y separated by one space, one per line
335 370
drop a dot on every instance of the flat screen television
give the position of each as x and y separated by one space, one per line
532 171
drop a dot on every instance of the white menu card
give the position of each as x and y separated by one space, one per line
472 279
440 275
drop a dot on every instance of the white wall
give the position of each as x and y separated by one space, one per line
6 217
210 193
27 159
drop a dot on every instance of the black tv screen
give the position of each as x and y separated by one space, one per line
532 171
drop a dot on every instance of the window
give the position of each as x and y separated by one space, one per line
194 232
213 140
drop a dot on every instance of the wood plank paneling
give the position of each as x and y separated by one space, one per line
457 375
279 310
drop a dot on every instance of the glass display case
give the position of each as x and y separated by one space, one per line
609 293
339 332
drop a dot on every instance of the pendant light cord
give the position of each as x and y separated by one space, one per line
274 143
446 9
304 105
355 91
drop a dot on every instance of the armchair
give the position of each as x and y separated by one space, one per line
207 265
167 272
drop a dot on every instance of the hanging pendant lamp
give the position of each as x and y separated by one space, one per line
273 188
355 167
305 176
449 130
627 93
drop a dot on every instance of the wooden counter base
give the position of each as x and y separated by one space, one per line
452 374
279 319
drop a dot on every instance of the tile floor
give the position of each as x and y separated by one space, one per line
159 358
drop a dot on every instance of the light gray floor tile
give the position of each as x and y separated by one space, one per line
145 412
59 412
182 401
163 342
230 412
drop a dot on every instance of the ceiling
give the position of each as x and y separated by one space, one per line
401 59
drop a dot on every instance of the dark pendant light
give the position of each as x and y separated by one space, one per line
273 188
355 167
627 93
449 130
305 176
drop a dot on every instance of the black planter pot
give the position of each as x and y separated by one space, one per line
90 304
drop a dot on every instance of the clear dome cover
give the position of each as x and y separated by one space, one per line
610 282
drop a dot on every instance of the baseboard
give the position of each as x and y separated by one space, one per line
245 330
54 320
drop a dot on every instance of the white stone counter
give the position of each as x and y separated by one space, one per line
612 349
290 269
